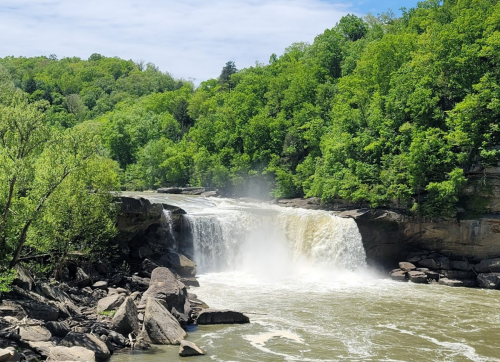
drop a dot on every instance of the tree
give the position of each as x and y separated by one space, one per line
225 76
352 27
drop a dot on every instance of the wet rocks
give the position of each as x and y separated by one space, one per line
489 280
398 275
160 325
416 276
488 266
216 316
188 349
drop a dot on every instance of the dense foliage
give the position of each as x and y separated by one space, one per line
380 111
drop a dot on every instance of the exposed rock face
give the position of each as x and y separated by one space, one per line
160 325
61 353
188 349
58 329
388 236
88 341
216 316
125 320
488 265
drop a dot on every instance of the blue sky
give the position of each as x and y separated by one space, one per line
191 39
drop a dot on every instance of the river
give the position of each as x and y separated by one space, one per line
301 278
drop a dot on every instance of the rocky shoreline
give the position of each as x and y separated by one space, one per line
143 297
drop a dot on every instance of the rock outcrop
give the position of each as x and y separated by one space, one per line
160 325
189 349
216 316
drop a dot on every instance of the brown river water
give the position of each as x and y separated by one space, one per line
301 278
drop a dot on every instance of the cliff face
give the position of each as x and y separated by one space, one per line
388 236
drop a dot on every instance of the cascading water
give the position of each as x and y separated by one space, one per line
168 225
272 239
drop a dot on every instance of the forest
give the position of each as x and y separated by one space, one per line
381 111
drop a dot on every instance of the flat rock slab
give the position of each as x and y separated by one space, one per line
61 353
398 275
110 303
405 266
6 355
100 285
216 316
188 349
34 334
416 276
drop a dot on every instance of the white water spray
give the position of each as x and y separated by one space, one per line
272 240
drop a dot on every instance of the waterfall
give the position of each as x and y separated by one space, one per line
168 226
272 239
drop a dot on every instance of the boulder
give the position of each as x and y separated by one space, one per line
398 275
432 275
216 316
188 349
180 263
169 190
100 285
61 353
58 293
165 286
125 320
58 329
416 276
88 341
160 325
40 311
405 266
488 266
190 282
461 265
118 339
82 278
436 263
7 355
110 303
34 333
489 280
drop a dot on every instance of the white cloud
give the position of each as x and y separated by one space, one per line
191 38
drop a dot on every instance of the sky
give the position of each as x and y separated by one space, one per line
190 39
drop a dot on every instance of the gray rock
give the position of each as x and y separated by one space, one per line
110 303
58 329
405 266
180 263
61 353
125 320
417 277
436 263
100 285
7 355
117 338
489 280
188 349
34 333
488 266
169 190
191 282
398 275
457 274
89 342
42 348
461 265
165 286
216 316
82 278
58 294
160 325
432 275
